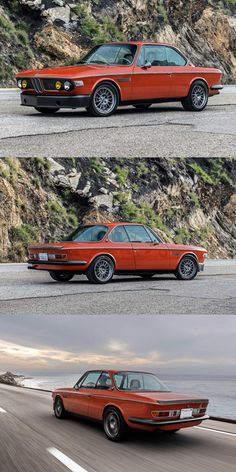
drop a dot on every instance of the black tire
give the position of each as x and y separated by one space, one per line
114 426
142 106
61 276
47 111
104 101
147 276
197 98
101 270
187 268
59 410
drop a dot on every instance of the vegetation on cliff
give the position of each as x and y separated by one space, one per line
185 200
36 33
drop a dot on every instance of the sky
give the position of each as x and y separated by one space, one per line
167 345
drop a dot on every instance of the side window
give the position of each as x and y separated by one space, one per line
153 235
156 55
90 380
119 235
138 234
104 381
174 58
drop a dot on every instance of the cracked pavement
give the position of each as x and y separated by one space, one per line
164 130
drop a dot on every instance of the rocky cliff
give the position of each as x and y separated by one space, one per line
34 33
11 379
185 200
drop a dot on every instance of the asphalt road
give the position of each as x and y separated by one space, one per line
30 437
30 292
164 130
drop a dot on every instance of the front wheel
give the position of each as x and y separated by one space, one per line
47 111
197 98
104 100
114 426
101 270
61 276
187 268
59 410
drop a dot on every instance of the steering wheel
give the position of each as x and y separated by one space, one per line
127 60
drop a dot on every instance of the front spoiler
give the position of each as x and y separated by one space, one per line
167 423
55 101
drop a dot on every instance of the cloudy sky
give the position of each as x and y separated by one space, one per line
53 345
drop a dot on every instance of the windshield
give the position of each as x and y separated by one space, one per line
88 234
139 381
111 54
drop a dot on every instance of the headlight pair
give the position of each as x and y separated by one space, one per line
22 83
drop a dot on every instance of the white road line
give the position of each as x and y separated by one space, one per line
71 465
2 410
216 431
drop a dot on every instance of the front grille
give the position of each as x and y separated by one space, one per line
49 84
37 84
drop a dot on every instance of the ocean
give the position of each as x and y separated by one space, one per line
221 391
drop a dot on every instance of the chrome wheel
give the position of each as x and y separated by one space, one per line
112 424
187 268
104 100
199 96
103 270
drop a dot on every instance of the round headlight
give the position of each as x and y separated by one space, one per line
19 83
24 84
58 85
67 85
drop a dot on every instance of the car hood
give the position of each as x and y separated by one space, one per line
70 72
183 247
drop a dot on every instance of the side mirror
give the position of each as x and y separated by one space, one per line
147 65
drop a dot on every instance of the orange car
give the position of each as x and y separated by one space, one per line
121 399
102 250
114 74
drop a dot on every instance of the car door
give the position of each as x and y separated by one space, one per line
81 395
181 72
151 74
149 252
120 248
100 396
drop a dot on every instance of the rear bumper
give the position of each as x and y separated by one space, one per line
167 423
55 101
37 265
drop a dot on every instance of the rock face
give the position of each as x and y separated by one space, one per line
10 379
38 32
190 201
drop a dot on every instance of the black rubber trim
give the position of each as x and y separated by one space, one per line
166 423
55 101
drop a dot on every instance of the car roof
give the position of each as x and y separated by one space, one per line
113 224
114 371
138 43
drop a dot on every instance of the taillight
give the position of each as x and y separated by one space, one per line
165 414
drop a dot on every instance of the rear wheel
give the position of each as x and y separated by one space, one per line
61 276
197 98
101 270
59 409
147 276
105 100
187 268
114 426
142 106
47 111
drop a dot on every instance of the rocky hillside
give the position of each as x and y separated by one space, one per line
186 201
11 379
34 33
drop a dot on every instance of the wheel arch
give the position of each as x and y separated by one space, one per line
190 254
196 79
103 254
112 405
109 81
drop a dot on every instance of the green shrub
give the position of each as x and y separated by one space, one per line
204 176
121 175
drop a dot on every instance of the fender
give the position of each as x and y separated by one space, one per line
187 254
195 80
102 254
112 81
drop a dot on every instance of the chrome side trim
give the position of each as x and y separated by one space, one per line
46 247
163 423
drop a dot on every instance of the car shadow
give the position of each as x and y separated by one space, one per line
117 280
121 111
